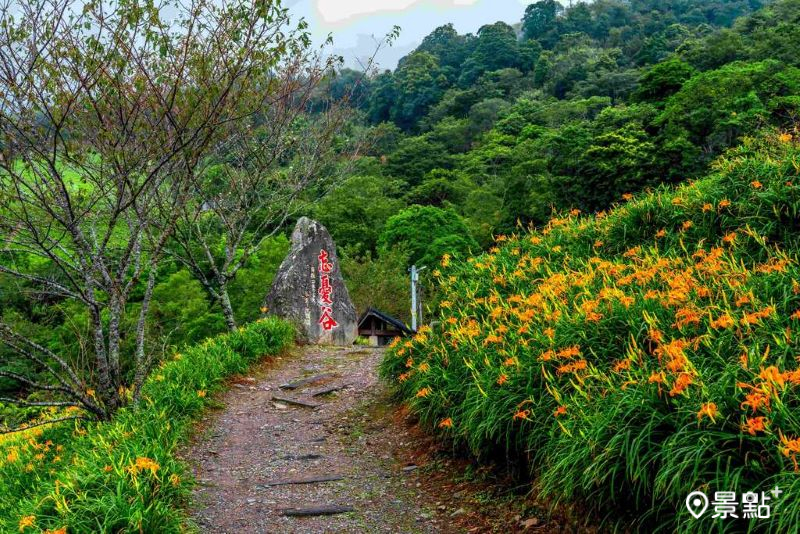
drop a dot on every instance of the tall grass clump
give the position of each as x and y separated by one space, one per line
123 475
635 356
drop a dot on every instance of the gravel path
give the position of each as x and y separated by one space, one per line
256 442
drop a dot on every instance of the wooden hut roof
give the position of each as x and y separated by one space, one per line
397 323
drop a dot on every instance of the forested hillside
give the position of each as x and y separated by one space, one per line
628 334
569 108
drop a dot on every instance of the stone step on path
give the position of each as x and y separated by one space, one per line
302 382
296 468
310 480
317 510
295 402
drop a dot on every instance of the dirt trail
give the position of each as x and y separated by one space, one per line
254 452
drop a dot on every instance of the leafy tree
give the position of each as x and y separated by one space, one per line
356 212
577 19
615 163
254 279
539 21
417 228
529 53
484 114
448 47
663 80
773 32
573 60
719 48
382 97
416 156
714 108
420 84
181 312
441 188
484 214
379 282
382 139
495 48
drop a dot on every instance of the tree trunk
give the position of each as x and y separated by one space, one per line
116 307
143 361
107 393
227 309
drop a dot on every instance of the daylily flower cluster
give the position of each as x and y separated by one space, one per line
681 307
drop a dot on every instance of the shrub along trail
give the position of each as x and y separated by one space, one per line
257 457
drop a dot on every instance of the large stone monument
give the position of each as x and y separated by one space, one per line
309 289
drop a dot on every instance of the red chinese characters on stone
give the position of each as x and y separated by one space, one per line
325 290
324 266
326 319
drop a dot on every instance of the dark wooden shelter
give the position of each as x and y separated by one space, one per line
381 328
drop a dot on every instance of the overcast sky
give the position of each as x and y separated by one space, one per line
354 22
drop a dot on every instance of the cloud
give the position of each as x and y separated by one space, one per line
338 11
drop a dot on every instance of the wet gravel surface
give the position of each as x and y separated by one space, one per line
251 454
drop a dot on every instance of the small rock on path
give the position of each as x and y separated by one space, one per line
255 441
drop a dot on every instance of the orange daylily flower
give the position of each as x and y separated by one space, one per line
572 367
754 424
772 375
522 414
708 409
26 522
756 400
684 381
722 322
424 392
143 464
790 449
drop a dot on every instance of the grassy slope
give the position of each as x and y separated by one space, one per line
635 356
123 475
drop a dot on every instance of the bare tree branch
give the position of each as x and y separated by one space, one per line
21 402
43 423
110 114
